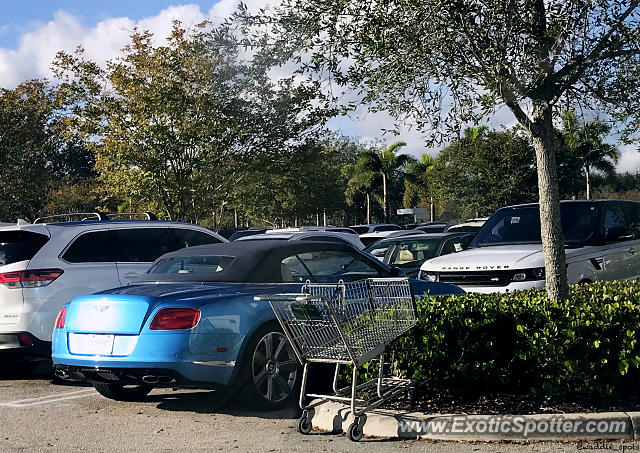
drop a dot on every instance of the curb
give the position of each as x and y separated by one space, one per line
336 417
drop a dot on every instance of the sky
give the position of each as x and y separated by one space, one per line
32 31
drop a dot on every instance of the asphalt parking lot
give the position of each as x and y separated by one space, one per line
38 415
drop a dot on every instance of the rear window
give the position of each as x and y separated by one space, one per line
360 229
19 245
387 228
92 247
192 265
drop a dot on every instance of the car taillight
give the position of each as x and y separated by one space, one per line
61 319
31 278
175 319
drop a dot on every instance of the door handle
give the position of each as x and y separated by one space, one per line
131 275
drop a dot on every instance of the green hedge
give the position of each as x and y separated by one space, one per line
523 342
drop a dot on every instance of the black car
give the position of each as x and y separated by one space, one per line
409 252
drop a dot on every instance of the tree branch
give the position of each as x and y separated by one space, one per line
575 68
510 101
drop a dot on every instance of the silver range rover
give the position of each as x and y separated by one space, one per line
602 242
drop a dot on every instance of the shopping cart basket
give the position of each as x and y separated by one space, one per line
347 324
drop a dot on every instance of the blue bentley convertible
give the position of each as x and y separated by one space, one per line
192 321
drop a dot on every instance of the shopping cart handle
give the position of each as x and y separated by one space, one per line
293 297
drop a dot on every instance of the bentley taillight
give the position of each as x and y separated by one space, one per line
175 319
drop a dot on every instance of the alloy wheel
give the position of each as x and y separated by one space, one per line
274 367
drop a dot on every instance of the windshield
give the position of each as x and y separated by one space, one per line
405 252
521 225
192 265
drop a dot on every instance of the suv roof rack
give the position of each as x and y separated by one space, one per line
82 216
148 215
70 216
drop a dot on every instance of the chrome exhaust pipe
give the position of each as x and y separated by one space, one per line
62 374
150 379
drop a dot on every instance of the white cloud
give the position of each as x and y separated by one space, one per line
38 47
629 159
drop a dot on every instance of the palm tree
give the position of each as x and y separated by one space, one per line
585 141
417 182
386 163
360 181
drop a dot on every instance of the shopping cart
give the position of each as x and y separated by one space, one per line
347 324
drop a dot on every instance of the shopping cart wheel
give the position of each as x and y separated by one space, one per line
411 395
355 431
304 424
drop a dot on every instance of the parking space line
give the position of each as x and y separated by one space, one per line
50 398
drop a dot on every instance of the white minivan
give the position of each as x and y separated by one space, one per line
602 242
45 265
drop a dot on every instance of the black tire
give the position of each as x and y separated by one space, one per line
119 392
271 370
304 424
355 431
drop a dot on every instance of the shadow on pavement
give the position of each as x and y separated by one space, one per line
219 402
43 372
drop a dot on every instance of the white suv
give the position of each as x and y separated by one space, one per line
45 265
602 242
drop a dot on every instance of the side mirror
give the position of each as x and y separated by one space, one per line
397 272
614 234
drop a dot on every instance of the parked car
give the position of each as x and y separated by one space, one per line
247 232
409 252
468 226
311 228
371 238
44 265
602 242
306 235
435 227
192 321
374 227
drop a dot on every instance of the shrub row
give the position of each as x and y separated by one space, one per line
523 342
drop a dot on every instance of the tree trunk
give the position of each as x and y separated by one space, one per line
368 208
385 208
550 222
586 173
221 214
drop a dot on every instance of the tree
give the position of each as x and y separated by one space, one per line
360 180
179 126
302 186
38 158
418 183
443 64
25 143
586 144
386 163
485 170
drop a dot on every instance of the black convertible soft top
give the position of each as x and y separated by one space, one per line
257 261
